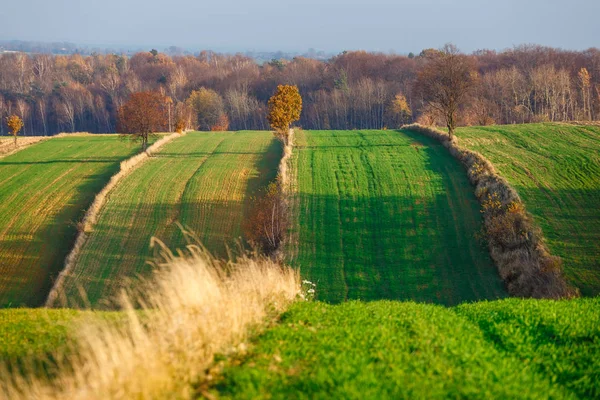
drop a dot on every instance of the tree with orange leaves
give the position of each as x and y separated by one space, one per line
285 107
143 114
221 125
15 124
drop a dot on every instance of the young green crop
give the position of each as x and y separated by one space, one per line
526 349
555 168
387 215
202 180
44 191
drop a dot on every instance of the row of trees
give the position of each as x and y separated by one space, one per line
352 90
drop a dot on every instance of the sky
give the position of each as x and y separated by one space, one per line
400 26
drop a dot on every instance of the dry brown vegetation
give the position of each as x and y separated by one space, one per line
516 244
194 307
91 215
7 146
268 217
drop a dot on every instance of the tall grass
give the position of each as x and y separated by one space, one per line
91 215
192 308
516 244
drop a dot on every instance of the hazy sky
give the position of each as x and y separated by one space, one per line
296 25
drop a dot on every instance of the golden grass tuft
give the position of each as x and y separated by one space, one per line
193 307
89 220
516 244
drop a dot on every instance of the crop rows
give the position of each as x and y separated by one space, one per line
44 191
384 214
200 180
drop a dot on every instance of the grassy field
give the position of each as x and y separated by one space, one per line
387 215
503 349
44 191
201 180
555 169
508 348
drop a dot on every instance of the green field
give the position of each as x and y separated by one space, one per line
44 191
555 168
516 349
202 180
509 348
387 215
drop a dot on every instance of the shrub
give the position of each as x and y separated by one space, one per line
267 220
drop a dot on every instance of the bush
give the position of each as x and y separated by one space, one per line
265 226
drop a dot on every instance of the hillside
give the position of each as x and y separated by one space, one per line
387 215
555 168
532 349
44 191
201 180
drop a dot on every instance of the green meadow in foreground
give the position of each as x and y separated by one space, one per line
502 349
44 191
555 168
202 180
387 215
509 348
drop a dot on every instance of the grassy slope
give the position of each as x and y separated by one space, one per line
387 215
44 190
556 171
502 349
200 180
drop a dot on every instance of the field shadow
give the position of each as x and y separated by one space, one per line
391 247
52 242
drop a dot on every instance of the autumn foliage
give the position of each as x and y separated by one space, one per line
285 107
221 125
15 124
208 108
144 113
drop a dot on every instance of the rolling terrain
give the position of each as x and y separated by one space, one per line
44 191
386 215
555 168
201 180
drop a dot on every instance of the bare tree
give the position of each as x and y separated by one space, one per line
445 82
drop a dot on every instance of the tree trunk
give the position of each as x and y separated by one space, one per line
450 124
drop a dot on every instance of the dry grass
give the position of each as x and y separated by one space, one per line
91 215
284 181
283 171
516 244
194 307
7 144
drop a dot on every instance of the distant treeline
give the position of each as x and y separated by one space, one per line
351 90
